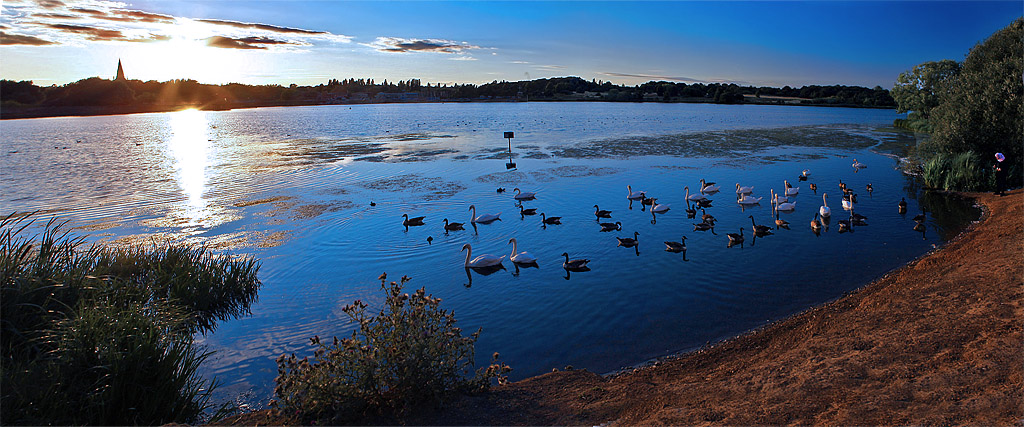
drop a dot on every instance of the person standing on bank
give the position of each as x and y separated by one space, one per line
1000 174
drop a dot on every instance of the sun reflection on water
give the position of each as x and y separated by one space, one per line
189 145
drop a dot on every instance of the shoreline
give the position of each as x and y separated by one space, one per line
935 341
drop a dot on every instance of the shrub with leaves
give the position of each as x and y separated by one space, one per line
958 172
410 355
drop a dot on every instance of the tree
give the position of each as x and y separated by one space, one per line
983 111
918 90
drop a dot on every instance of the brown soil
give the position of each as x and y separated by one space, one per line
938 341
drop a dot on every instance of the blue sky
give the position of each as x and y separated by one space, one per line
762 43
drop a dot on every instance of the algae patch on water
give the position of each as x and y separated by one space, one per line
433 188
551 174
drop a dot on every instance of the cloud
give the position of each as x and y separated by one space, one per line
400 45
463 58
245 42
50 4
551 67
264 27
103 34
650 77
17 39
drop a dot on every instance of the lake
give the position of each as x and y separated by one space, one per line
293 187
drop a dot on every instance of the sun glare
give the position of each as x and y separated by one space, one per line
189 147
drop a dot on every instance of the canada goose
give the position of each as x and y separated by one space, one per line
858 216
520 257
919 226
602 214
485 260
690 212
707 217
779 222
842 186
708 187
813 187
860 222
844 225
919 218
870 188
483 219
412 221
611 226
646 201
744 190
704 227
523 196
552 220
801 178
858 165
903 205
658 207
524 212
452 226
676 246
704 203
815 224
574 264
736 238
693 197
634 195
628 242
824 210
760 230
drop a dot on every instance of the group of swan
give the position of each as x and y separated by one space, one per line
488 260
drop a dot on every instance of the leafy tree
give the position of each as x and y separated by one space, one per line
918 90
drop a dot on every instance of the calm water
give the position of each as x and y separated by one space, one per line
293 186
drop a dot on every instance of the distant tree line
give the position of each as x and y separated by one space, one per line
154 96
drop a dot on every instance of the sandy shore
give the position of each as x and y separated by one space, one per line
938 341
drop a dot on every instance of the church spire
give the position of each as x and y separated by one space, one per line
120 72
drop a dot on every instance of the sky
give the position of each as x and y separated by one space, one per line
761 43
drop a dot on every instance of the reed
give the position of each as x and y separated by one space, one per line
958 172
95 335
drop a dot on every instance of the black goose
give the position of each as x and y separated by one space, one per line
611 226
676 246
524 212
601 213
574 264
452 226
903 205
919 218
704 203
412 221
690 212
627 241
707 217
553 220
703 227
813 187
736 238
760 230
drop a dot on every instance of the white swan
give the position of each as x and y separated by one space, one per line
523 196
749 200
485 218
858 165
790 190
485 260
744 190
789 206
634 195
708 187
824 211
520 257
693 197
658 207
847 203
777 198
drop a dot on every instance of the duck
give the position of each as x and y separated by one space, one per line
777 198
693 197
373 203
736 238
903 205
805 173
483 219
707 217
553 220
524 212
611 226
628 242
708 187
870 188
452 226
412 221
485 260
791 190
744 190
815 224
749 200
658 207
676 246
601 213
574 264
858 165
430 240
760 230
520 257
634 195
523 195
813 187
824 210
501 189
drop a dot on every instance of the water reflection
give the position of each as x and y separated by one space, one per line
189 146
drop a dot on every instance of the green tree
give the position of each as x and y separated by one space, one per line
984 111
918 90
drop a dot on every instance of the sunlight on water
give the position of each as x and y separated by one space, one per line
189 145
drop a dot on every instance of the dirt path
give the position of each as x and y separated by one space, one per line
938 341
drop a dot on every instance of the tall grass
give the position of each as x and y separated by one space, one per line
958 172
94 335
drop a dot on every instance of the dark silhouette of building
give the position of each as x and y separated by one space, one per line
120 72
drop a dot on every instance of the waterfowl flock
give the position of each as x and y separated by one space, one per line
781 201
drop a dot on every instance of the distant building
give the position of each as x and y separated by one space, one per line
120 72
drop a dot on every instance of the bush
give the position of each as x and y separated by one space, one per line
97 335
411 354
959 172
